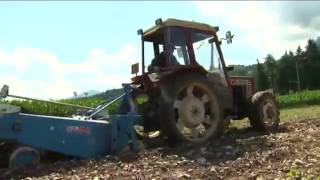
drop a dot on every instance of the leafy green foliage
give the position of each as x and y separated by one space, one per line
292 100
296 174
109 94
261 77
239 70
283 73
287 79
292 173
272 70
35 107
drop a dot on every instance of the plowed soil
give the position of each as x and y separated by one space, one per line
291 152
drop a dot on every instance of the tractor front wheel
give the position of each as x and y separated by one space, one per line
264 114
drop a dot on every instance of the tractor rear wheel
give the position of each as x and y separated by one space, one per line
191 110
264 114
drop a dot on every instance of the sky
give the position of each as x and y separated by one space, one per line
51 49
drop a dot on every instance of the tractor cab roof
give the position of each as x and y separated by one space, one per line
156 32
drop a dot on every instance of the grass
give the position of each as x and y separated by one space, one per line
299 113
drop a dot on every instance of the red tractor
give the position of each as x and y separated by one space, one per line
189 96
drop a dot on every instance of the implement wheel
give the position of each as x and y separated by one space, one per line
191 110
23 156
264 114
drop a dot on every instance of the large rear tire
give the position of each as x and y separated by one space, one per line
191 110
264 114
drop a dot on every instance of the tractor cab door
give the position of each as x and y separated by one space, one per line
207 56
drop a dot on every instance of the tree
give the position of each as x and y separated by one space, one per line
239 70
262 79
297 62
312 51
75 94
299 51
284 79
311 65
271 65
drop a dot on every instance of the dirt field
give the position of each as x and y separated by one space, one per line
292 152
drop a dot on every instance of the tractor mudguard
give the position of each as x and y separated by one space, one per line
177 71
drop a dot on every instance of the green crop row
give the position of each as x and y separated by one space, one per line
36 107
293 100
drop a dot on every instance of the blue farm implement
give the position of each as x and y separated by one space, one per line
94 135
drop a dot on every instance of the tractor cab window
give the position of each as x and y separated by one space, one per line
149 51
215 61
181 55
176 41
203 50
207 56
216 69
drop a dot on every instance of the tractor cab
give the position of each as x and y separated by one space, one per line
180 46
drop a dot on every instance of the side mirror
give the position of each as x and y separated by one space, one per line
229 68
135 68
229 37
179 52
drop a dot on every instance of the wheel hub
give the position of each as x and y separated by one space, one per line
192 111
